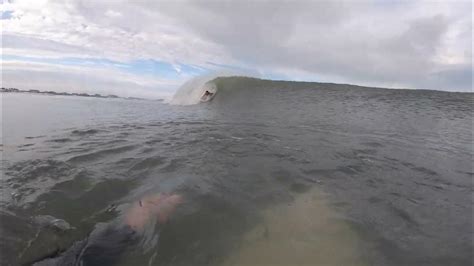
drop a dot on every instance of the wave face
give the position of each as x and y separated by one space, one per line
240 91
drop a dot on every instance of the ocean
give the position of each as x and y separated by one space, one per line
271 173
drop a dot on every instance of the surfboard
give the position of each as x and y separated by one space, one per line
207 98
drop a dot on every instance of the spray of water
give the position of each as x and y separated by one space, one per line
191 91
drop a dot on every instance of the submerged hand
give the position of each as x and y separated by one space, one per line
159 205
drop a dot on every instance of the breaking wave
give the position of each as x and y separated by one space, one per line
191 91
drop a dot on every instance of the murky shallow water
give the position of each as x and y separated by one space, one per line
304 232
296 174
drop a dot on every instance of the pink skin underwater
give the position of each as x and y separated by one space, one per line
158 205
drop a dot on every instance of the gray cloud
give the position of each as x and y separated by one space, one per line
414 44
42 46
332 39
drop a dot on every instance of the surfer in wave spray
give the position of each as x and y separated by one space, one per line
202 88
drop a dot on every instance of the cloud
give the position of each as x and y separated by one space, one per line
90 79
413 44
362 43
113 14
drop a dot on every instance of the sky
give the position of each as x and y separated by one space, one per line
149 48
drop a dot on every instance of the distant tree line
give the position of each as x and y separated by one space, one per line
59 93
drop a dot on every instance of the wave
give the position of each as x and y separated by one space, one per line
234 87
191 91
241 89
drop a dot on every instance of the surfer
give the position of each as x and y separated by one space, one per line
207 96
107 241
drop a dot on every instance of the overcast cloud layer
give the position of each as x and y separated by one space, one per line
148 48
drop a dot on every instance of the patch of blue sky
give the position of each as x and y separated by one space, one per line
144 67
163 69
6 14
150 67
192 69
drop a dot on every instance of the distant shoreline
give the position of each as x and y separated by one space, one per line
53 93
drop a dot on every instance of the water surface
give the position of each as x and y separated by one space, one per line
296 173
